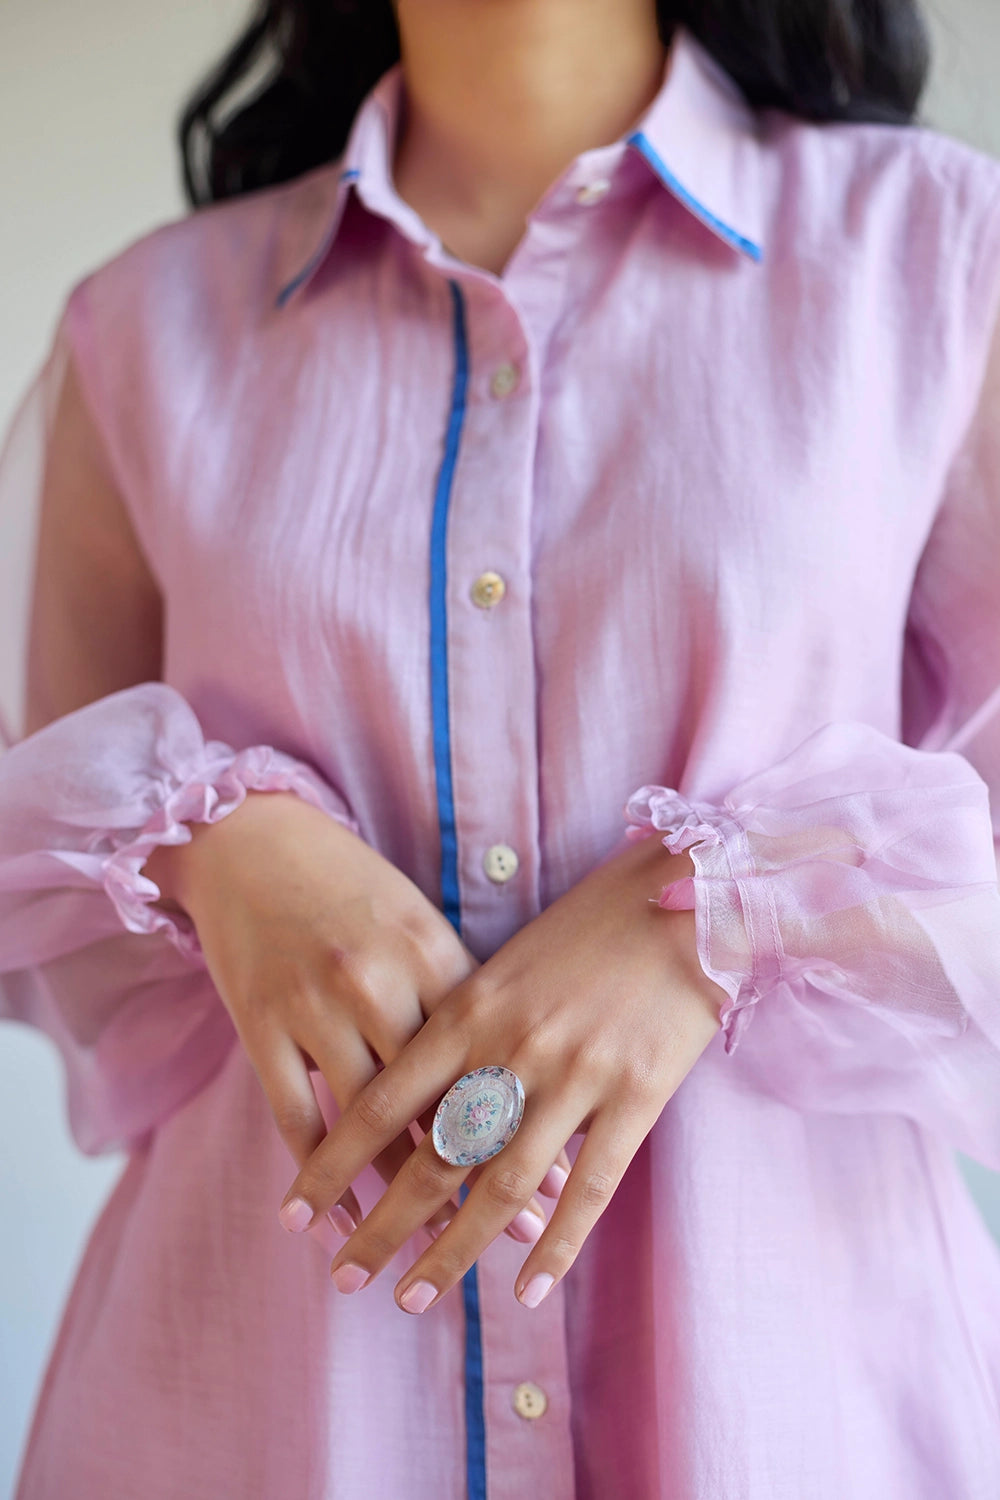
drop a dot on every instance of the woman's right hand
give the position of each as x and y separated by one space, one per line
326 956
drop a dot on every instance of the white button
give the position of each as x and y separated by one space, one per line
530 1400
488 589
500 863
505 378
593 192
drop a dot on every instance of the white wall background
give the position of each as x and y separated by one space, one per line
88 98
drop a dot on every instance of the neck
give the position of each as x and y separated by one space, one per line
501 95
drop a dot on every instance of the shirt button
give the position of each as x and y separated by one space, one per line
530 1400
505 378
500 863
593 192
488 589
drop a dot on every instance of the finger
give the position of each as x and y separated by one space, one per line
425 1184
504 1187
284 1074
345 1085
390 1223
284 1077
395 1096
524 1227
347 1065
609 1145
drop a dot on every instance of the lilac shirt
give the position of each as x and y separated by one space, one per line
727 432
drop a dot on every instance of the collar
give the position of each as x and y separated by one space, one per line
699 136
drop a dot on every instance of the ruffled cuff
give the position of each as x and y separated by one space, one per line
206 795
809 875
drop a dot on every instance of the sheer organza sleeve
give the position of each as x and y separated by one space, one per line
118 983
846 898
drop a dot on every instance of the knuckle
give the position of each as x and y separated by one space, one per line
449 1266
507 1187
373 1109
560 1252
317 1182
292 1117
594 1057
348 971
596 1189
430 940
255 1011
444 956
481 994
377 1248
430 1176
637 1081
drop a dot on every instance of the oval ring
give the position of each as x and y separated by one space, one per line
478 1115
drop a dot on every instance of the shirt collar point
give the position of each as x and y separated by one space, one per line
722 227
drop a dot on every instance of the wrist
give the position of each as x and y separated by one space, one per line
654 865
177 868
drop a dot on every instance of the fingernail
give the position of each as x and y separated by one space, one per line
295 1215
527 1227
418 1296
553 1182
341 1220
435 1229
349 1278
536 1289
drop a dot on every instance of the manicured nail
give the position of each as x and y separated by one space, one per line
418 1296
527 1227
435 1229
341 1220
349 1278
536 1289
295 1215
553 1182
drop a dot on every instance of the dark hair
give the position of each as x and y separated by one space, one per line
820 59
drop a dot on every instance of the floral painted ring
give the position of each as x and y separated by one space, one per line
477 1116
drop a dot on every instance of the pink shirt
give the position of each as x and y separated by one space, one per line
727 430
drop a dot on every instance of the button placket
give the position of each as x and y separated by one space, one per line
527 1386
495 777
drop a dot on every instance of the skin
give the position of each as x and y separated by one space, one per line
601 1007
502 95
328 959
600 1004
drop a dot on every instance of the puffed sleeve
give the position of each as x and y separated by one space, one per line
846 898
119 984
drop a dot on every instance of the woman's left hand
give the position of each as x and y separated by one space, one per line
601 1007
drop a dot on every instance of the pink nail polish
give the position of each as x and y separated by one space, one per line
341 1220
527 1227
418 1296
553 1182
296 1215
349 1278
536 1289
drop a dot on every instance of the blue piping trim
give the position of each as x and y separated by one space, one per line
642 143
439 623
350 174
475 1416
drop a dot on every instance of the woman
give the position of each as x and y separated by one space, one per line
566 410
